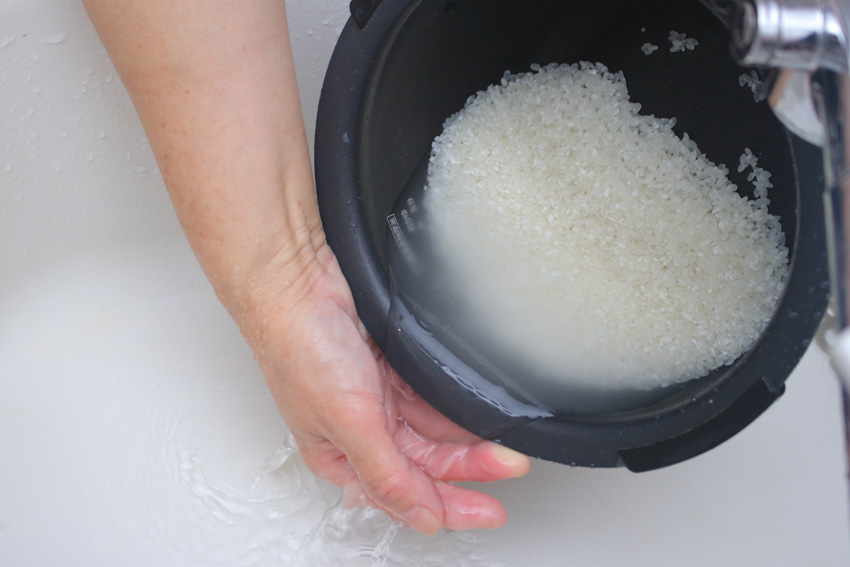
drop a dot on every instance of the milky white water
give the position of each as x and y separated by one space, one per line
551 189
135 429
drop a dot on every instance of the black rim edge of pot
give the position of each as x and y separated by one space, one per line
650 441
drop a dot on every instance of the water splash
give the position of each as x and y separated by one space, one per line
249 520
368 538
343 536
286 517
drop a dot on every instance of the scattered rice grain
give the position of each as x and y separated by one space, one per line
648 48
681 42
756 85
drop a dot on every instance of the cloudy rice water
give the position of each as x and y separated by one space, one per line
591 241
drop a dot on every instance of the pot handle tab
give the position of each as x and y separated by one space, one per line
362 10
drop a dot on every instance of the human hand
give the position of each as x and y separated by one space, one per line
214 86
356 423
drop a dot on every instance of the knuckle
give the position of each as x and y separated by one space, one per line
388 489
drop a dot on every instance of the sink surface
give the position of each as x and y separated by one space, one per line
135 428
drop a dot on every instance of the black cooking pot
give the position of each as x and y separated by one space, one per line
401 67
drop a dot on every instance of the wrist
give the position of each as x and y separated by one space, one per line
268 301
282 273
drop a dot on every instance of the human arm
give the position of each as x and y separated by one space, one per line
214 85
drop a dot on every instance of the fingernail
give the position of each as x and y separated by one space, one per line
424 520
511 458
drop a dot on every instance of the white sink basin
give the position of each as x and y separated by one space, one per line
135 428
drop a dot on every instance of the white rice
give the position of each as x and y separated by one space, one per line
755 84
648 48
681 42
591 241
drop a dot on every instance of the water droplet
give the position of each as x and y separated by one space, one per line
54 39
345 138
7 40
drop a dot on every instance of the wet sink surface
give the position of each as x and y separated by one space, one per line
136 430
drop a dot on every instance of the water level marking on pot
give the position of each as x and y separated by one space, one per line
403 245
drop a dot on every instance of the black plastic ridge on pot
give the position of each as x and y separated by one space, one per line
677 428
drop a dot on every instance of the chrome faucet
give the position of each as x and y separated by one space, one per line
806 43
